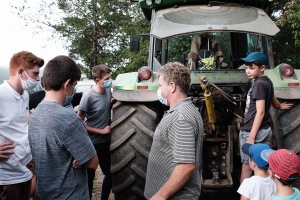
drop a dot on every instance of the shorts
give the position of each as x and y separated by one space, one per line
263 136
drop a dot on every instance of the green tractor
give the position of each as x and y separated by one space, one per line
209 38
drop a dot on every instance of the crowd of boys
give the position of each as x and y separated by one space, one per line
66 152
54 138
274 172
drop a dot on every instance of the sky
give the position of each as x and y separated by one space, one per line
15 37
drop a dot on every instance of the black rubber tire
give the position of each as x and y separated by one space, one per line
287 128
133 126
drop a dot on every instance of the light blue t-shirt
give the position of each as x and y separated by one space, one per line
294 196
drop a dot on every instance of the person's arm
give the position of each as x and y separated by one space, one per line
92 163
79 145
92 130
243 198
6 150
280 106
178 178
260 113
81 114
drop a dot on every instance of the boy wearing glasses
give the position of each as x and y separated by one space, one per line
260 186
256 127
284 169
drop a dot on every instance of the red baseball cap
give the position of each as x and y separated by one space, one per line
284 163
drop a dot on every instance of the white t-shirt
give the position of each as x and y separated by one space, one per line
14 117
257 188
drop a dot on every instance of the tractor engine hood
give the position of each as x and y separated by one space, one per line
189 19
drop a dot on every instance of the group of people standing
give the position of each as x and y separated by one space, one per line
274 172
66 149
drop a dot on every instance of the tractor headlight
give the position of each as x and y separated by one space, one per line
149 2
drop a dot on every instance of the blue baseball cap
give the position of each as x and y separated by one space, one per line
259 153
256 56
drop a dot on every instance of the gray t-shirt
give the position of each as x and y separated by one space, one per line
177 139
98 113
57 136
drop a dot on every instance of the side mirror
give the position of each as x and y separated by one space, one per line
134 43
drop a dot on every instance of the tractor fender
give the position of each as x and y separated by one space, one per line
287 93
135 95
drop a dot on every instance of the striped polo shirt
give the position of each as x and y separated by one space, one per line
177 139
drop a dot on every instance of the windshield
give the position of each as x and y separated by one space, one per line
213 50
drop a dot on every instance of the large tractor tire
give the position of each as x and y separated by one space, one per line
287 128
133 126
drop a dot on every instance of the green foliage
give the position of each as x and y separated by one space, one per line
178 46
94 31
286 43
290 18
284 48
97 31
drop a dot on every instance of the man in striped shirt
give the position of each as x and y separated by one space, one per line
174 162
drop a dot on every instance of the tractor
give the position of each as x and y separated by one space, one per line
208 37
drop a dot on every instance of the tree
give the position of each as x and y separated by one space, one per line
94 31
286 43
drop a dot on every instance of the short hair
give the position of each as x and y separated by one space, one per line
58 70
263 169
25 60
294 177
99 71
177 73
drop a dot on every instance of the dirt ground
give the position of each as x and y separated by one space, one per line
233 195
98 186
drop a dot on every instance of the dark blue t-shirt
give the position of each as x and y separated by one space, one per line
262 89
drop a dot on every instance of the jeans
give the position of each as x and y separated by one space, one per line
103 153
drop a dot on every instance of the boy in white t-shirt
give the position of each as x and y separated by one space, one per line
260 186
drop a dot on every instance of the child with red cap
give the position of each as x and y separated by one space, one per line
284 169
260 186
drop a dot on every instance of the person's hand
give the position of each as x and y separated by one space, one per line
76 164
113 101
106 130
6 149
285 106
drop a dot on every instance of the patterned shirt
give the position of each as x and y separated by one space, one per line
177 139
